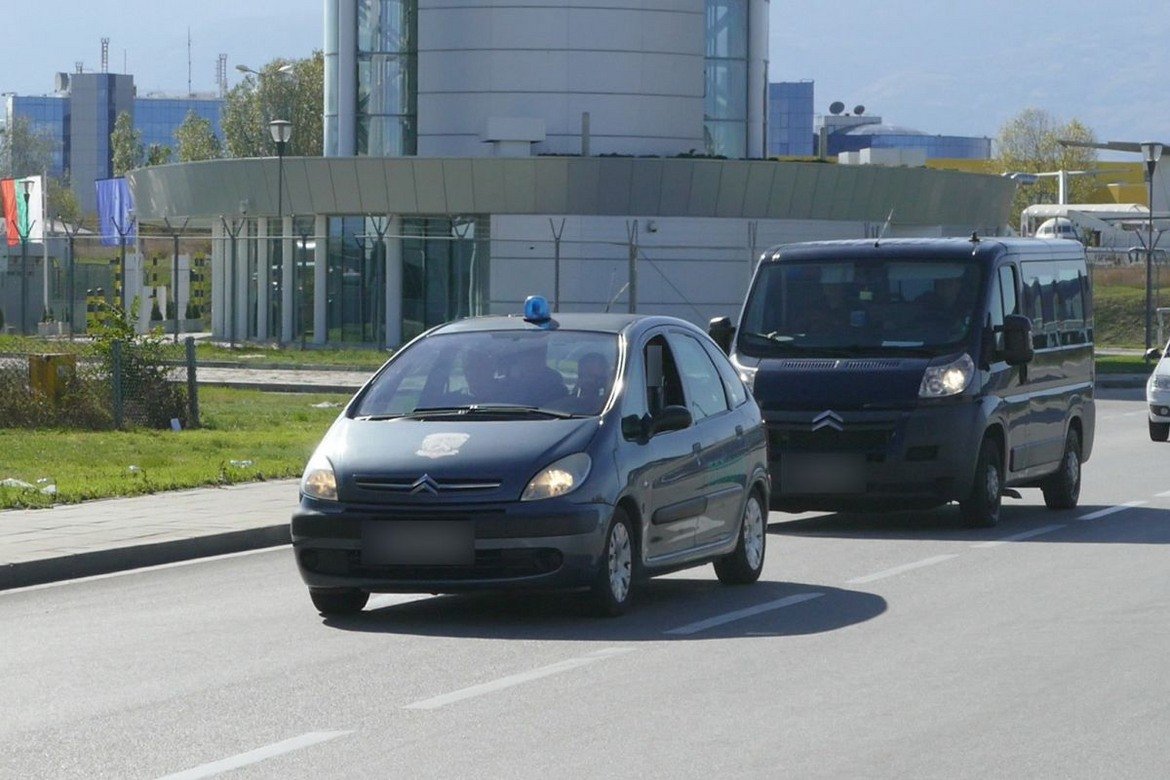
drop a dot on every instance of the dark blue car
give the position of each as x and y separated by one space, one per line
567 451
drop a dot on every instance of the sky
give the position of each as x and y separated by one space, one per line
962 68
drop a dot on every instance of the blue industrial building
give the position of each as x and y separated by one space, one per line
790 119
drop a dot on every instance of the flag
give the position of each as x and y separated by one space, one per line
115 211
23 217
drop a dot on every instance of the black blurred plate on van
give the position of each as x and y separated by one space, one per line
822 472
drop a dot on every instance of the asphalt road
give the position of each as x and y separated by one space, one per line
876 646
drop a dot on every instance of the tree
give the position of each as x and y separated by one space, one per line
126 145
1030 143
196 139
292 90
24 151
158 154
62 200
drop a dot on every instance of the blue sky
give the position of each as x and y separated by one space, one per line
940 67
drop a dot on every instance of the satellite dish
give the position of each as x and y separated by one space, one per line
859 110
836 107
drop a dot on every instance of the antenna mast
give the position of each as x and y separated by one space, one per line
105 55
189 92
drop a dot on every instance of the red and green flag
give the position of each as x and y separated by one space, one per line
22 216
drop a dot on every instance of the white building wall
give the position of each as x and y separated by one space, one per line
636 66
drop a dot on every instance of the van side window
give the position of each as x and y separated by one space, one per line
1003 302
1039 302
1070 287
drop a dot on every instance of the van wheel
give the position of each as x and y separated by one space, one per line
613 585
339 602
743 565
980 509
1063 488
1159 431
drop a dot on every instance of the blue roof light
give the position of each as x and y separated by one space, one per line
536 309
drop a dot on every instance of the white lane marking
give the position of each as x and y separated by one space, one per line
256 756
881 575
1163 495
740 614
395 599
1021 536
141 569
1112 510
517 679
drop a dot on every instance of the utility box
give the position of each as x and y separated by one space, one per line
48 373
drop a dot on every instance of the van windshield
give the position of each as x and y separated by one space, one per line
871 307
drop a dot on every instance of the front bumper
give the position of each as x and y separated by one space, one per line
542 544
1158 405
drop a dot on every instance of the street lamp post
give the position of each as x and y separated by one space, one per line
281 131
27 183
1152 152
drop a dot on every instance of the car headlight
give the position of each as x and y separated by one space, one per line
949 379
746 373
1160 382
319 481
563 476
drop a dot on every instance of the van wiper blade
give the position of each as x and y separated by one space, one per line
775 337
489 409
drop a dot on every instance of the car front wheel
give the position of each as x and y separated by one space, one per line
980 509
339 602
743 565
1159 431
613 584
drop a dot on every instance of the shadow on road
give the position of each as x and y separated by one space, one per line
664 605
1135 525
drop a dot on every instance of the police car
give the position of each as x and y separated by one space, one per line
545 451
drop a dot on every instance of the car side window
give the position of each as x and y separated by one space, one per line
703 384
664 386
732 384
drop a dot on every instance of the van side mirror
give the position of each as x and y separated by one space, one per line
1153 353
1017 340
721 332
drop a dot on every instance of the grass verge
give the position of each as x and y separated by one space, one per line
247 436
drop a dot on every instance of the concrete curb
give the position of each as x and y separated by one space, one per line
88 564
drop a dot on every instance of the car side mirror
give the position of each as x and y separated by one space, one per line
671 418
1017 340
721 332
1153 353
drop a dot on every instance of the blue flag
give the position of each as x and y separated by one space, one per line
115 211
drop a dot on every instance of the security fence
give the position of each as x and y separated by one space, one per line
115 380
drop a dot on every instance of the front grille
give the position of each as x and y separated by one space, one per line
489 565
413 484
847 364
852 439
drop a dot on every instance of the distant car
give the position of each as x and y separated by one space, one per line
549 451
1158 394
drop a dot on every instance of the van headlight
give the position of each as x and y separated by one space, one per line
746 373
563 476
948 379
319 481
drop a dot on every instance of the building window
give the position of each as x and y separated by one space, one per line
387 83
726 72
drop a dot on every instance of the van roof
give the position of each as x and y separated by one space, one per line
984 249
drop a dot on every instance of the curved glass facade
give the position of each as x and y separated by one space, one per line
387 82
725 100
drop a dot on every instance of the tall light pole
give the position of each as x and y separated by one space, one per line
27 184
281 131
1152 152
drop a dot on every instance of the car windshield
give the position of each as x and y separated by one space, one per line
849 307
558 372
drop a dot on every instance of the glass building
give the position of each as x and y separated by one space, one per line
881 136
725 97
790 119
157 118
48 117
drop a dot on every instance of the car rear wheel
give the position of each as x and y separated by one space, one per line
744 564
980 509
1063 489
1159 431
339 602
614 582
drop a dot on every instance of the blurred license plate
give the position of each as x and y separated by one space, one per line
828 472
418 542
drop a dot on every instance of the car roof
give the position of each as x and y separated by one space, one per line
598 322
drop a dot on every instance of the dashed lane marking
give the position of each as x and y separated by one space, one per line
1021 536
256 756
881 575
1112 510
740 614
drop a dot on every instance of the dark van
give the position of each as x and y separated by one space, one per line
910 373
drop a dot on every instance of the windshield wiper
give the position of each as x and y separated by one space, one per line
775 337
489 409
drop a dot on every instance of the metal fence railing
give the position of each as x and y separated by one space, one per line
96 384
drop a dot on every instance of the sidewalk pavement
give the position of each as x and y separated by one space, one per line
97 537
284 379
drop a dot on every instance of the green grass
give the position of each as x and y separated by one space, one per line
247 436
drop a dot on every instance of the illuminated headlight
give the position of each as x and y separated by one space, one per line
949 379
1160 382
319 480
746 373
562 477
